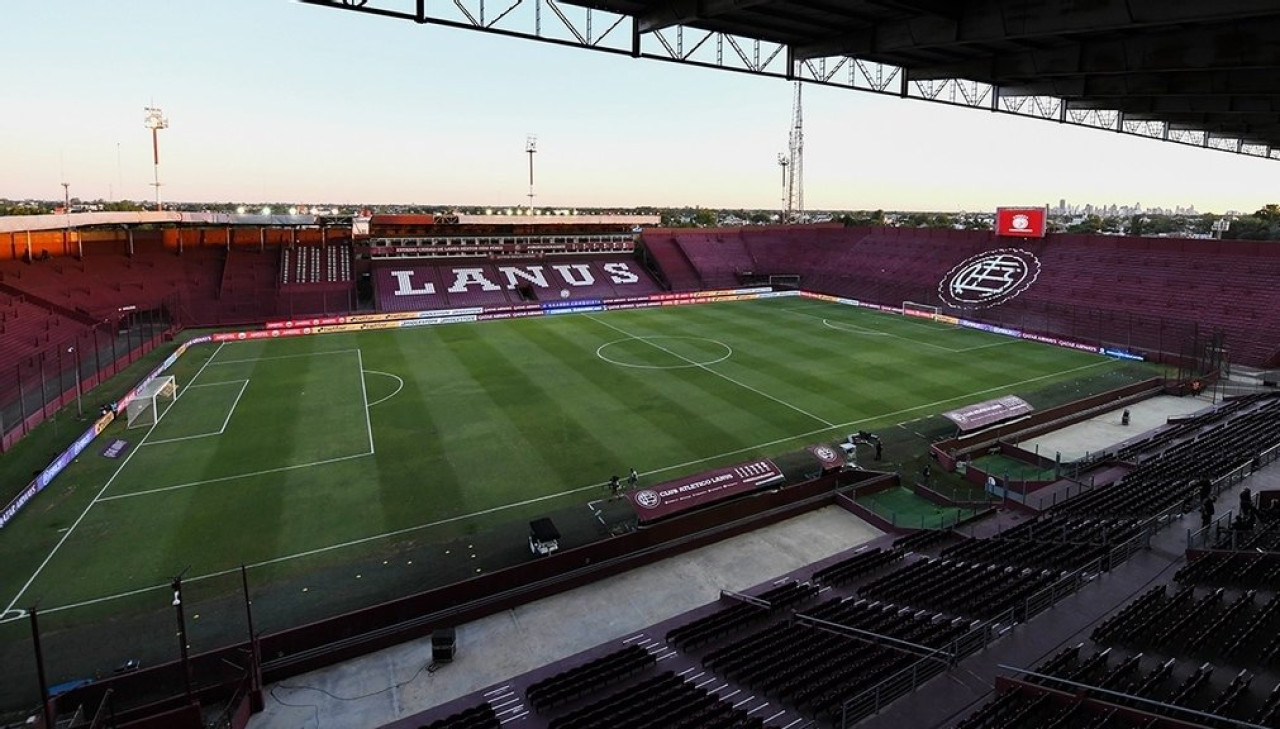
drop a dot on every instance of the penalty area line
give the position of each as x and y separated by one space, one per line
70 530
285 356
225 421
199 372
364 398
222 479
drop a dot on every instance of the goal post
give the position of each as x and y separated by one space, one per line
920 311
145 407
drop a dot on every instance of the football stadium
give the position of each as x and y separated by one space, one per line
452 470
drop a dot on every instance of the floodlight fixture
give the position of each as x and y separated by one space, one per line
155 120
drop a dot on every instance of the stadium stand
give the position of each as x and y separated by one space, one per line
26 328
248 288
723 258
906 608
481 716
588 677
1169 476
102 283
1146 294
411 285
672 260
315 265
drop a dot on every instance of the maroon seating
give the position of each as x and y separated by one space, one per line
671 258
1146 294
315 265
720 258
101 284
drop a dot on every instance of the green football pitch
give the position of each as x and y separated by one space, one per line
292 453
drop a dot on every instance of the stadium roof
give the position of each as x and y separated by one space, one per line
1188 71
60 221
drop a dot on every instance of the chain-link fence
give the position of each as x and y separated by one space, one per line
67 366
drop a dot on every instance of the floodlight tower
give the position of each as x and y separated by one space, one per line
531 147
156 121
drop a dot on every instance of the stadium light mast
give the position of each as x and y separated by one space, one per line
531 147
156 121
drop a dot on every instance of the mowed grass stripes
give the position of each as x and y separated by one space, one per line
267 453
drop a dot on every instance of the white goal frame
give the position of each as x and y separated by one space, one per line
144 409
921 311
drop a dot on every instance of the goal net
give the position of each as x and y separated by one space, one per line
145 407
921 311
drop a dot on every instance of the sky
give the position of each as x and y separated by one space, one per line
271 100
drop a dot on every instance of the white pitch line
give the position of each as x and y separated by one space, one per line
219 431
863 421
705 368
870 332
211 384
847 328
70 530
887 334
526 502
284 356
199 372
178 440
231 412
1005 343
221 479
388 397
364 397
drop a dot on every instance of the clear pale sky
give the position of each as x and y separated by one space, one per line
278 101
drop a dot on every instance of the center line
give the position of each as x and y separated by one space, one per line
705 368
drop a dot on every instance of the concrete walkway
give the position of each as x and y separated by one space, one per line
391 684
1103 431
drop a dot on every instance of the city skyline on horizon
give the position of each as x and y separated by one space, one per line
278 206
341 119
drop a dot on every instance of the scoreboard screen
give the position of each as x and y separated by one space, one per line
1021 222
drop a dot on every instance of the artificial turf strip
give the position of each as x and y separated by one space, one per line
480 424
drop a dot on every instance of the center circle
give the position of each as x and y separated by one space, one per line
667 347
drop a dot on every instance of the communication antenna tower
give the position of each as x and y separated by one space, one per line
783 162
531 147
793 169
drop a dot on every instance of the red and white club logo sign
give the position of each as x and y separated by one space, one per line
648 498
989 279
1022 222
